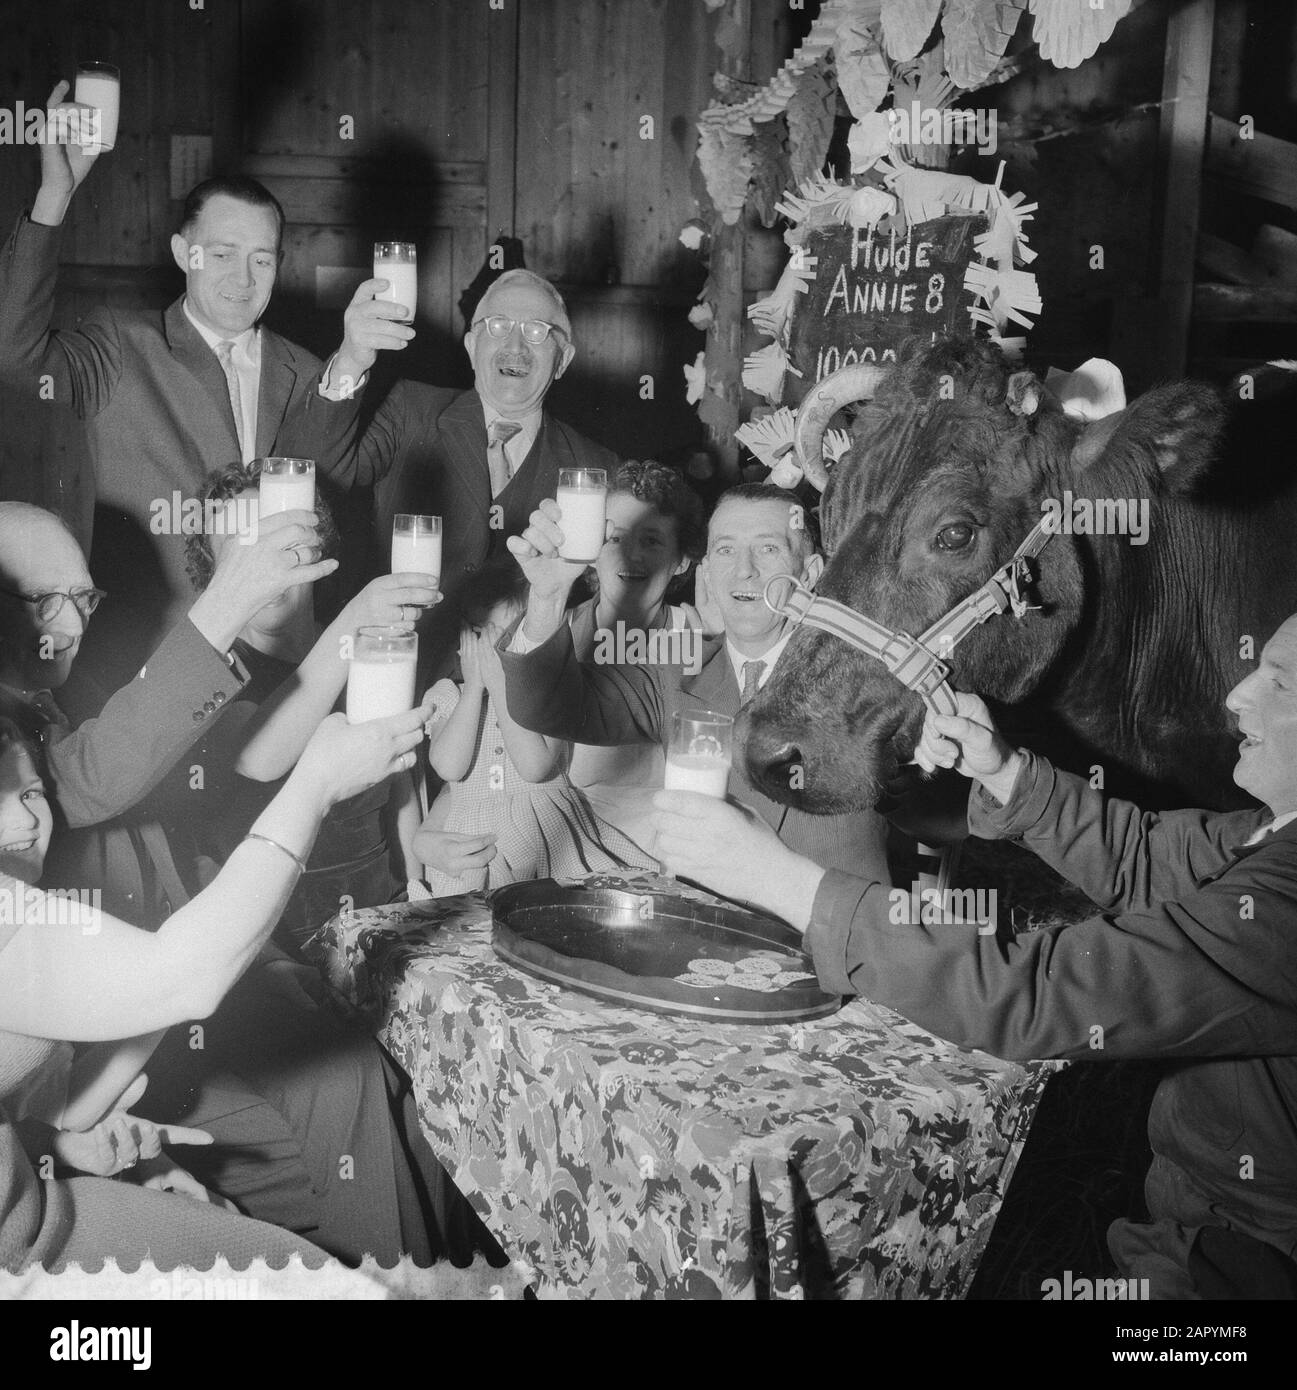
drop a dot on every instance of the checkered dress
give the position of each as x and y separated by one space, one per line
545 829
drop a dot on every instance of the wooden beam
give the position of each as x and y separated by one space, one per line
502 121
1186 78
1222 260
1262 166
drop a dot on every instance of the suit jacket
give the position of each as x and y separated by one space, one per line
424 450
1191 958
100 772
550 691
158 419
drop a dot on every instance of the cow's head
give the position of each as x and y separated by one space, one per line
952 458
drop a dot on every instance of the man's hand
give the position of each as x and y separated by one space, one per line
970 743
550 576
729 849
250 575
120 1140
370 326
63 167
454 853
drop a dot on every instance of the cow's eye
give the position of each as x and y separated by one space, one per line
956 537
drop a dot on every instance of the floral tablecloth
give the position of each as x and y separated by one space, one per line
625 1154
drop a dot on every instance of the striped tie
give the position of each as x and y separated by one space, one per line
223 351
497 461
751 679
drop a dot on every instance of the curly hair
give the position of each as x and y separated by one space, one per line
666 491
221 485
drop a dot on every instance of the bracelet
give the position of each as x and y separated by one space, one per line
283 849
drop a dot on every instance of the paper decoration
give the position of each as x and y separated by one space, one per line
921 88
906 26
1008 296
811 113
928 193
726 163
1069 31
1095 389
975 34
836 443
863 75
869 139
696 379
764 370
770 437
821 202
702 315
771 314
769 101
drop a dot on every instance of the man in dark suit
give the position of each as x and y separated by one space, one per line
482 460
166 396
756 532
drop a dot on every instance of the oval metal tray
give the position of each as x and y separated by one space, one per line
632 948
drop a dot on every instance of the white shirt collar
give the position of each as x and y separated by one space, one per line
247 341
1277 824
738 660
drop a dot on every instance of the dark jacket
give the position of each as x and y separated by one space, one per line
550 691
1192 959
158 419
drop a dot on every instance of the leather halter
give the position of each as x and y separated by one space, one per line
914 661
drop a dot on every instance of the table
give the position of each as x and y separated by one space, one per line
625 1154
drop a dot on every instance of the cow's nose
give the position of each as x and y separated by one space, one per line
784 767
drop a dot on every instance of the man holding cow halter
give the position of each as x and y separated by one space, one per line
1190 958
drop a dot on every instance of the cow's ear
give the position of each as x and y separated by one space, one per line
1023 393
1175 430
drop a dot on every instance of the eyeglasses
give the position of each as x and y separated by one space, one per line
533 330
49 606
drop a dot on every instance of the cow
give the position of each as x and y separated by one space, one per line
1121 668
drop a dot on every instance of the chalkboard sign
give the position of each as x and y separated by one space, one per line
875 290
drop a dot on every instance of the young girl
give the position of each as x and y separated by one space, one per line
503 779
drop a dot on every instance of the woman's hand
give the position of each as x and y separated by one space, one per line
729 849
969 742
120 1140
254 571
342 760
391 600
551 577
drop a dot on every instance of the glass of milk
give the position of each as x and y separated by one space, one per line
380 679
582 497
397 263
287 485
416 544
99 86
700 752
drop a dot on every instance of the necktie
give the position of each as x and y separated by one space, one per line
223 351
751 679
498 436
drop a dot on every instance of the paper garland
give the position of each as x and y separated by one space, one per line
1070 31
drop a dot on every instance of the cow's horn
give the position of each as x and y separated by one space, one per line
821 404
